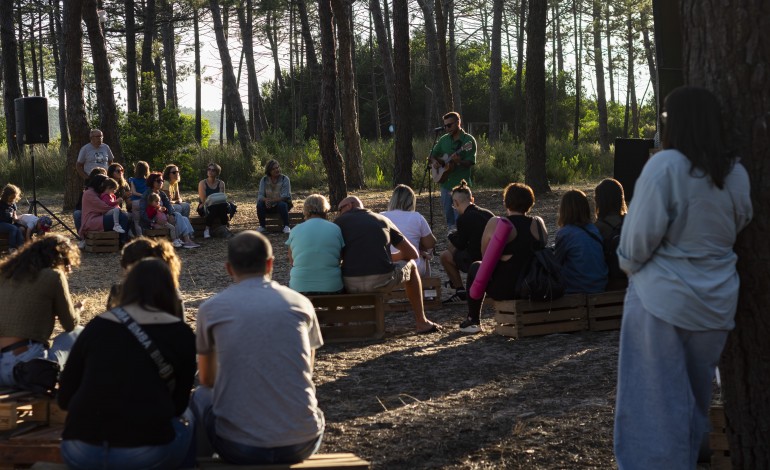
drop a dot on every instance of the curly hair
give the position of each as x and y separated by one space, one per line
144 247
10 191
50 251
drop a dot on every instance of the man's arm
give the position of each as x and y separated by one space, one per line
207 369
407 250
81 167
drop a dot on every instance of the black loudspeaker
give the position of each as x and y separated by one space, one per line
630 157
31 120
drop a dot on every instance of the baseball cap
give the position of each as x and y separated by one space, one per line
44 223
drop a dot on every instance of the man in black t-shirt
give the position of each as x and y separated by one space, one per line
368 266
464 244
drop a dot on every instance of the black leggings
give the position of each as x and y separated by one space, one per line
218 212
501 286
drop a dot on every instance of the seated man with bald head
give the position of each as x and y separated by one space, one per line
367 265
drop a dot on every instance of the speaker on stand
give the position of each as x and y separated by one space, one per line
32 128
630 157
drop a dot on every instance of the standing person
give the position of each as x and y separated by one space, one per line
315 251
690 202
459 148
464 246
402 212
256 344
8 218
367 265
94 154
126 401
212 212
171 178
274 195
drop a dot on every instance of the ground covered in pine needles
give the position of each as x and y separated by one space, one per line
445 400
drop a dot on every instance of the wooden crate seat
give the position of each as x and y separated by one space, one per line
157 233
520 318
324 461
102 242
273 222
350 317
396 300
605 310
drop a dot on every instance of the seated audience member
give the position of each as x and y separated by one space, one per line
159 219
402 212
464 245
138 185
220 212
367 265
95 211
315 250
108 188
8 217
125 405
31 224
116 172
256 344
610 211
184 230
35 292
274 196
77 214
516 256
579 247
171 179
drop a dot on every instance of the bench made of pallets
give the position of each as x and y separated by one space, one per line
605 310
350 317
396 300
102 242
520 318
19 406
38 445
324 461
157 233
273 222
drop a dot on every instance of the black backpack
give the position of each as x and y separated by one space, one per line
542 280
610 246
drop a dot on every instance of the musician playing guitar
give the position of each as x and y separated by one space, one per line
460 148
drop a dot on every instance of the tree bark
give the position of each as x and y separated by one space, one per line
534 147
601 97
131 78
247 37
40 49
649 50
59 61
197 71
311 93
443 59
402 173
33 57
454 75
495 72
631 80
169 54
76 107
578 71
431 44
386 58
327 140
228 81
610 65
519 126
732 62
20 50
146 104
10 66
354 165
158 75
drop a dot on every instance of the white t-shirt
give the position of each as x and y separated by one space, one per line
92 157
28 220
414 226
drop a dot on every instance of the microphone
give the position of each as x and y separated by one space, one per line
438 129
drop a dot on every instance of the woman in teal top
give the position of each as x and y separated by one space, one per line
315 248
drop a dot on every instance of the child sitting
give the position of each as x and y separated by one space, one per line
108 188
8 198
30 224
138 186
158 218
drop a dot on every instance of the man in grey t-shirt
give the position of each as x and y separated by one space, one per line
94 154
256 343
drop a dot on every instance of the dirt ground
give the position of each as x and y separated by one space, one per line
446 400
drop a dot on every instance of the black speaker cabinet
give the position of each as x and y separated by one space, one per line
630 157
31 120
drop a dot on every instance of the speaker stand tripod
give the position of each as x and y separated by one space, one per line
34 204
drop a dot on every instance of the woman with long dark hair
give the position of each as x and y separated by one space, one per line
690 202
126 410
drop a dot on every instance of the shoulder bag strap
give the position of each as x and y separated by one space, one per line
598 240
165 369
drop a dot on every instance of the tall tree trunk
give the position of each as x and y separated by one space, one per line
386 58
402 173
610 65
313 69
649 50
386 17
197 72
554 76
441 38
519 125
10 66
375 97
495 72
327 140
158 75
33 57
22 62
578 69
558 34
228 81
732 62
40 50
59 61
247 36
354 165
534 147
431 44
271 31
76 106
108 115
131 79
454 74
601 98
631 79
169 54
146 104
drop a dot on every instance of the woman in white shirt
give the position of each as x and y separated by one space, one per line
401 211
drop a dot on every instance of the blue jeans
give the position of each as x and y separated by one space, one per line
177 453
15 238
449 211
59 351
77 217
202 405
109 223
664 387
282 208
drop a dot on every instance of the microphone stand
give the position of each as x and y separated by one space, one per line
430 180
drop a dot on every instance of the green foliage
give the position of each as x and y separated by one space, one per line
2 130
49 167
567 164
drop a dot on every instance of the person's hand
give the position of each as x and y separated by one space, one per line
119 200
162 209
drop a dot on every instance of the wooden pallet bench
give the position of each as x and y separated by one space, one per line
19 406
520 318
102 242
324 461
718 442
157 233
350 317
396 300
273 222
605 310
37 445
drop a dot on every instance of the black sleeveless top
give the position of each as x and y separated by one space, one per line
520 248
210 191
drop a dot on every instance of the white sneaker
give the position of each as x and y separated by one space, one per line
118 228
206 233
177 243
261 229
286 229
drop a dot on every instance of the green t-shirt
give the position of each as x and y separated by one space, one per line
446 145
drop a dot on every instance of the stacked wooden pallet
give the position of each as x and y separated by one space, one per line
396 300
159 233
350 317
102 242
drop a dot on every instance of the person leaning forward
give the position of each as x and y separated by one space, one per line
368 266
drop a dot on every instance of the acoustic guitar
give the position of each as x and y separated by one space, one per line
446 165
